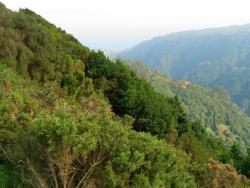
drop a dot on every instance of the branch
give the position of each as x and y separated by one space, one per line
6 155
91 169
39 179
51 166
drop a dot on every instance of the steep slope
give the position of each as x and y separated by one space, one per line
70 117
217 57
45 131
213 107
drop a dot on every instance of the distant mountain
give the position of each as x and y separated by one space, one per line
213 107
218 57
71 117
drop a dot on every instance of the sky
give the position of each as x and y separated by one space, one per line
119 24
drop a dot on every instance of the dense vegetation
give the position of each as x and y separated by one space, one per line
70 117
213 107
82 143
212 57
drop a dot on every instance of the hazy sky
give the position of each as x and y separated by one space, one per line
123 23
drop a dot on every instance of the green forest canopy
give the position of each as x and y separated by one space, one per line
70 117
213 107
215 58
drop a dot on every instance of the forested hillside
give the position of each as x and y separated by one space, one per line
217 57
71 117
213 107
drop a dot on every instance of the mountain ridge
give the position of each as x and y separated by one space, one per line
213 107
71 117
217 57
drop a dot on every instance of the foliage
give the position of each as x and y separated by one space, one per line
40 51
218 175
212 107
64 144
129 95
71 117
238 159
9 177
212 57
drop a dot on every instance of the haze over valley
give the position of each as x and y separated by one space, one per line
125 94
